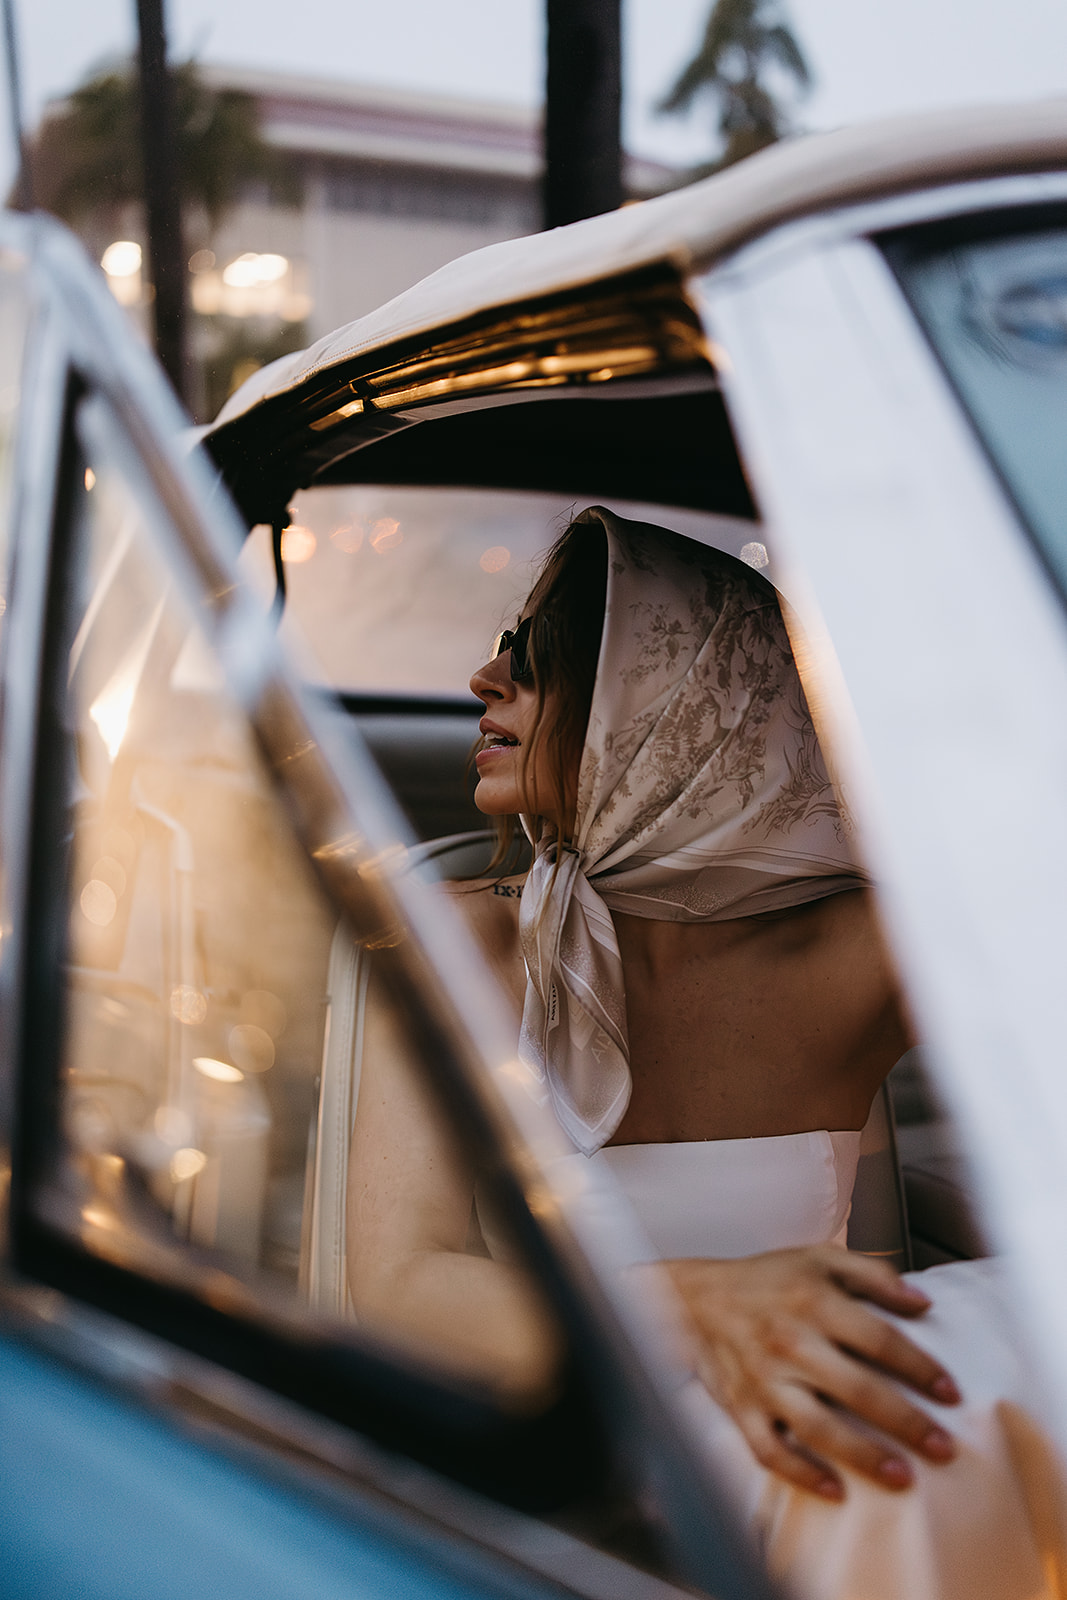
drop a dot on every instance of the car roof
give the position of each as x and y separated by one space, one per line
688 228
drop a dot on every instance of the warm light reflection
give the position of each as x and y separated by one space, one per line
352 409
252 285
112 706
348 537
720 358
298 544
520 1074
188 1005
249 270
220 1071
495 559
90 478
386 534
122 263
251 1047
97 1217
173 1125
187 1163
98 902
121 259
755 554
111 872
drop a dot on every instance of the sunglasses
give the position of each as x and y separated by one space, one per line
517 640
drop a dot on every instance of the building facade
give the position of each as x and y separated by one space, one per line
386 187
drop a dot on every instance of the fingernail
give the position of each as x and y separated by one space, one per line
939 1443
914 1294
830 1489
894 1472
945 1390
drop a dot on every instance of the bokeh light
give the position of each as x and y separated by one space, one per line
187 1163
348 537
386 534
251 1047
218 1071
298 544
188 1005
98 902
121 259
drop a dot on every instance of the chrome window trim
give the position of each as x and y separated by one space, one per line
848 423
345 815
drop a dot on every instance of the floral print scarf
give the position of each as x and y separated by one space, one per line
702 795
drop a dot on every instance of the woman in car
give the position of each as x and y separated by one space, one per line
708 1000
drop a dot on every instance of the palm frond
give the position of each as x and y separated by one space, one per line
782 45
741 40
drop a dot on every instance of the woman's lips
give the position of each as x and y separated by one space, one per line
490 751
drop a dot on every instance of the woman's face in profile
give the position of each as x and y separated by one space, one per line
514 773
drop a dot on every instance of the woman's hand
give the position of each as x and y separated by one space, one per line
790 1352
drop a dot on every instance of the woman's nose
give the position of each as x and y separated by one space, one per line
493 680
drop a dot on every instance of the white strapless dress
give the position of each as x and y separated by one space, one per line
991 1524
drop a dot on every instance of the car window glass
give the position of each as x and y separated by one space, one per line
403 589
995 310
217 1015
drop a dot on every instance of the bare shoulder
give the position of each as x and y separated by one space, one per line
479 898
491 909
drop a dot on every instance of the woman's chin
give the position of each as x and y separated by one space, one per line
492 800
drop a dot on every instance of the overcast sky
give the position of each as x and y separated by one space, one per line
868 56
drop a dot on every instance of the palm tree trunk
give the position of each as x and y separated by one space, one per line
583 96
163 214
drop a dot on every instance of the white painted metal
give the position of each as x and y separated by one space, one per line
900 211
939 662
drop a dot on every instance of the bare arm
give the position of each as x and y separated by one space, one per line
409 1204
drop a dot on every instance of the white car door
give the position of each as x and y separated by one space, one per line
913 486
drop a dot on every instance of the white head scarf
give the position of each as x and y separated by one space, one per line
702 796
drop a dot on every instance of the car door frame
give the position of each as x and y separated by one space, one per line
342 810
903 554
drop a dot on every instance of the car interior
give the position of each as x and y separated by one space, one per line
439 438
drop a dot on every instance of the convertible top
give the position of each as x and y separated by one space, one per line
690 227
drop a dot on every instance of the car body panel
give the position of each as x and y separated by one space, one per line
102 1498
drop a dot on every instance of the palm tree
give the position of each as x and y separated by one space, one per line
87 155
86 163
744 41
